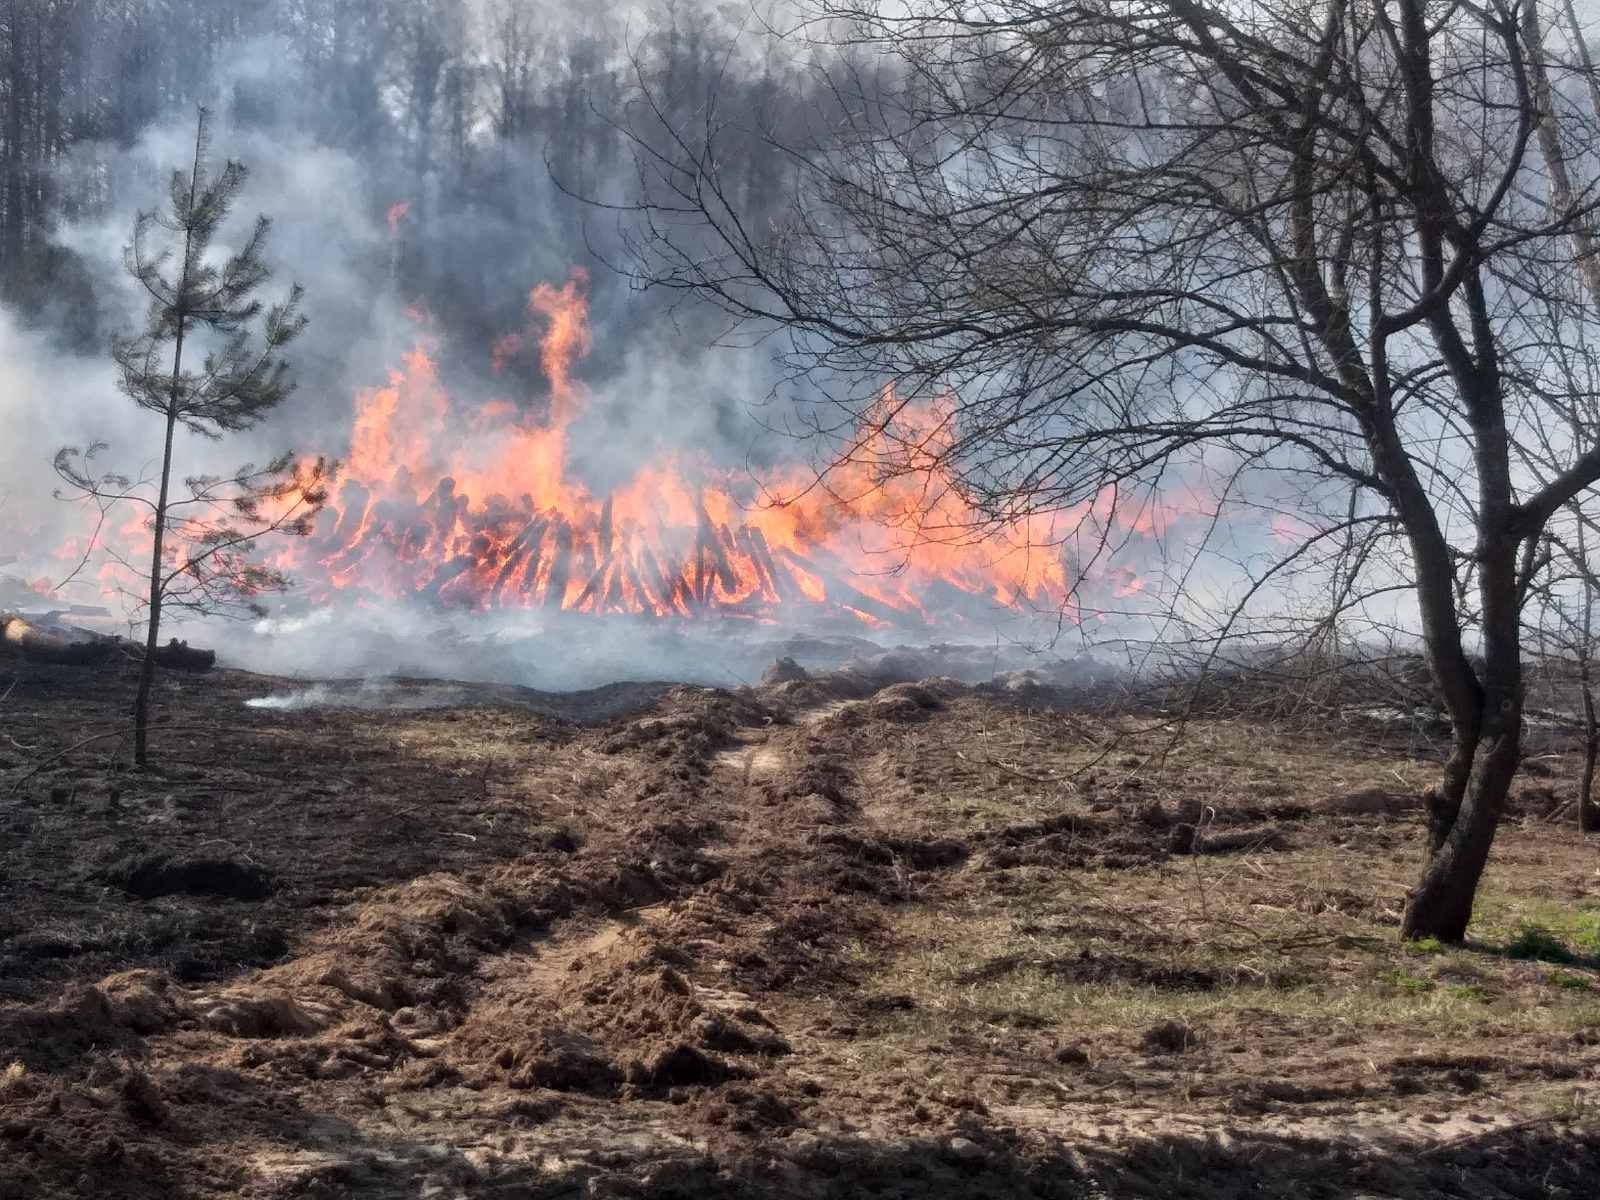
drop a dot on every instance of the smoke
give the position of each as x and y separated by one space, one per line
454 271
47 399
454 266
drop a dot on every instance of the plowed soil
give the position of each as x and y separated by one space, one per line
813 939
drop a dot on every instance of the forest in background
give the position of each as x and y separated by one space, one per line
470 122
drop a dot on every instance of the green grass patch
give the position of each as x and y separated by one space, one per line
1586 933
1427 945
1539 944
1401 981
1569 981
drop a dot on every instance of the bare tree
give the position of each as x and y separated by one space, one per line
199 557
1313 240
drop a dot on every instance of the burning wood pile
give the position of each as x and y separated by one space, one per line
445 551
478 509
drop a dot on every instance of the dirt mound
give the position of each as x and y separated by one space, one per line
745 1109
115 1012
1373 802
680 741
921 854
690 714
1071 840
560 1061
889 690
409 948
627 1016
785 670
1120 837
905 702
1171 1037
810 931
814 781
150 876
252 1013
665 1035
102 1136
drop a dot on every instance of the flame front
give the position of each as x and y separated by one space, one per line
478 510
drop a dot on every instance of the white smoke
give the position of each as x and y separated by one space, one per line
655 393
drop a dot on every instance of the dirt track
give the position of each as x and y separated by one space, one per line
810 940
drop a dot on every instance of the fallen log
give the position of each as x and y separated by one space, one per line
67 645
53 644
180 656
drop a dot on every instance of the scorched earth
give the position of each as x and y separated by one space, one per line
834 935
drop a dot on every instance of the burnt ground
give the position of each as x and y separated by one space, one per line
807 940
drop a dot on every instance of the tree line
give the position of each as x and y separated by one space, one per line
464 111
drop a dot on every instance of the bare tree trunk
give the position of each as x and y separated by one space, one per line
1441 904
1591 724
1591 753
14 233
1462 833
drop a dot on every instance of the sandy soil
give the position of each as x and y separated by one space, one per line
811 939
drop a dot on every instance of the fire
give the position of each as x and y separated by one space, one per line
567 312
397 214
480 511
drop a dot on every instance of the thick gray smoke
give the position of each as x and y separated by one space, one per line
652 385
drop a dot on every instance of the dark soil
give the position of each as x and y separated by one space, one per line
822 938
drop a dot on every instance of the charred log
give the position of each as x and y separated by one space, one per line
21 638
67 645
607 532
530 577
180 656
452 570
725 571
650 569
519 550
353 502
851 597
560 566
595 586
782 586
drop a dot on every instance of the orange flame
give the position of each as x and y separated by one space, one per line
566 312
480 511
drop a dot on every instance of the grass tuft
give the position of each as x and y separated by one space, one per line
1540 944
1566 979
1414 985
1427 945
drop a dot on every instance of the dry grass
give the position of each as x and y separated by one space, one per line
1282 955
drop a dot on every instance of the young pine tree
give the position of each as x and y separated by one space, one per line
203 307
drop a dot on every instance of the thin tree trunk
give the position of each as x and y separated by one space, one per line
1591 753
1591 725
147 669
15 231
